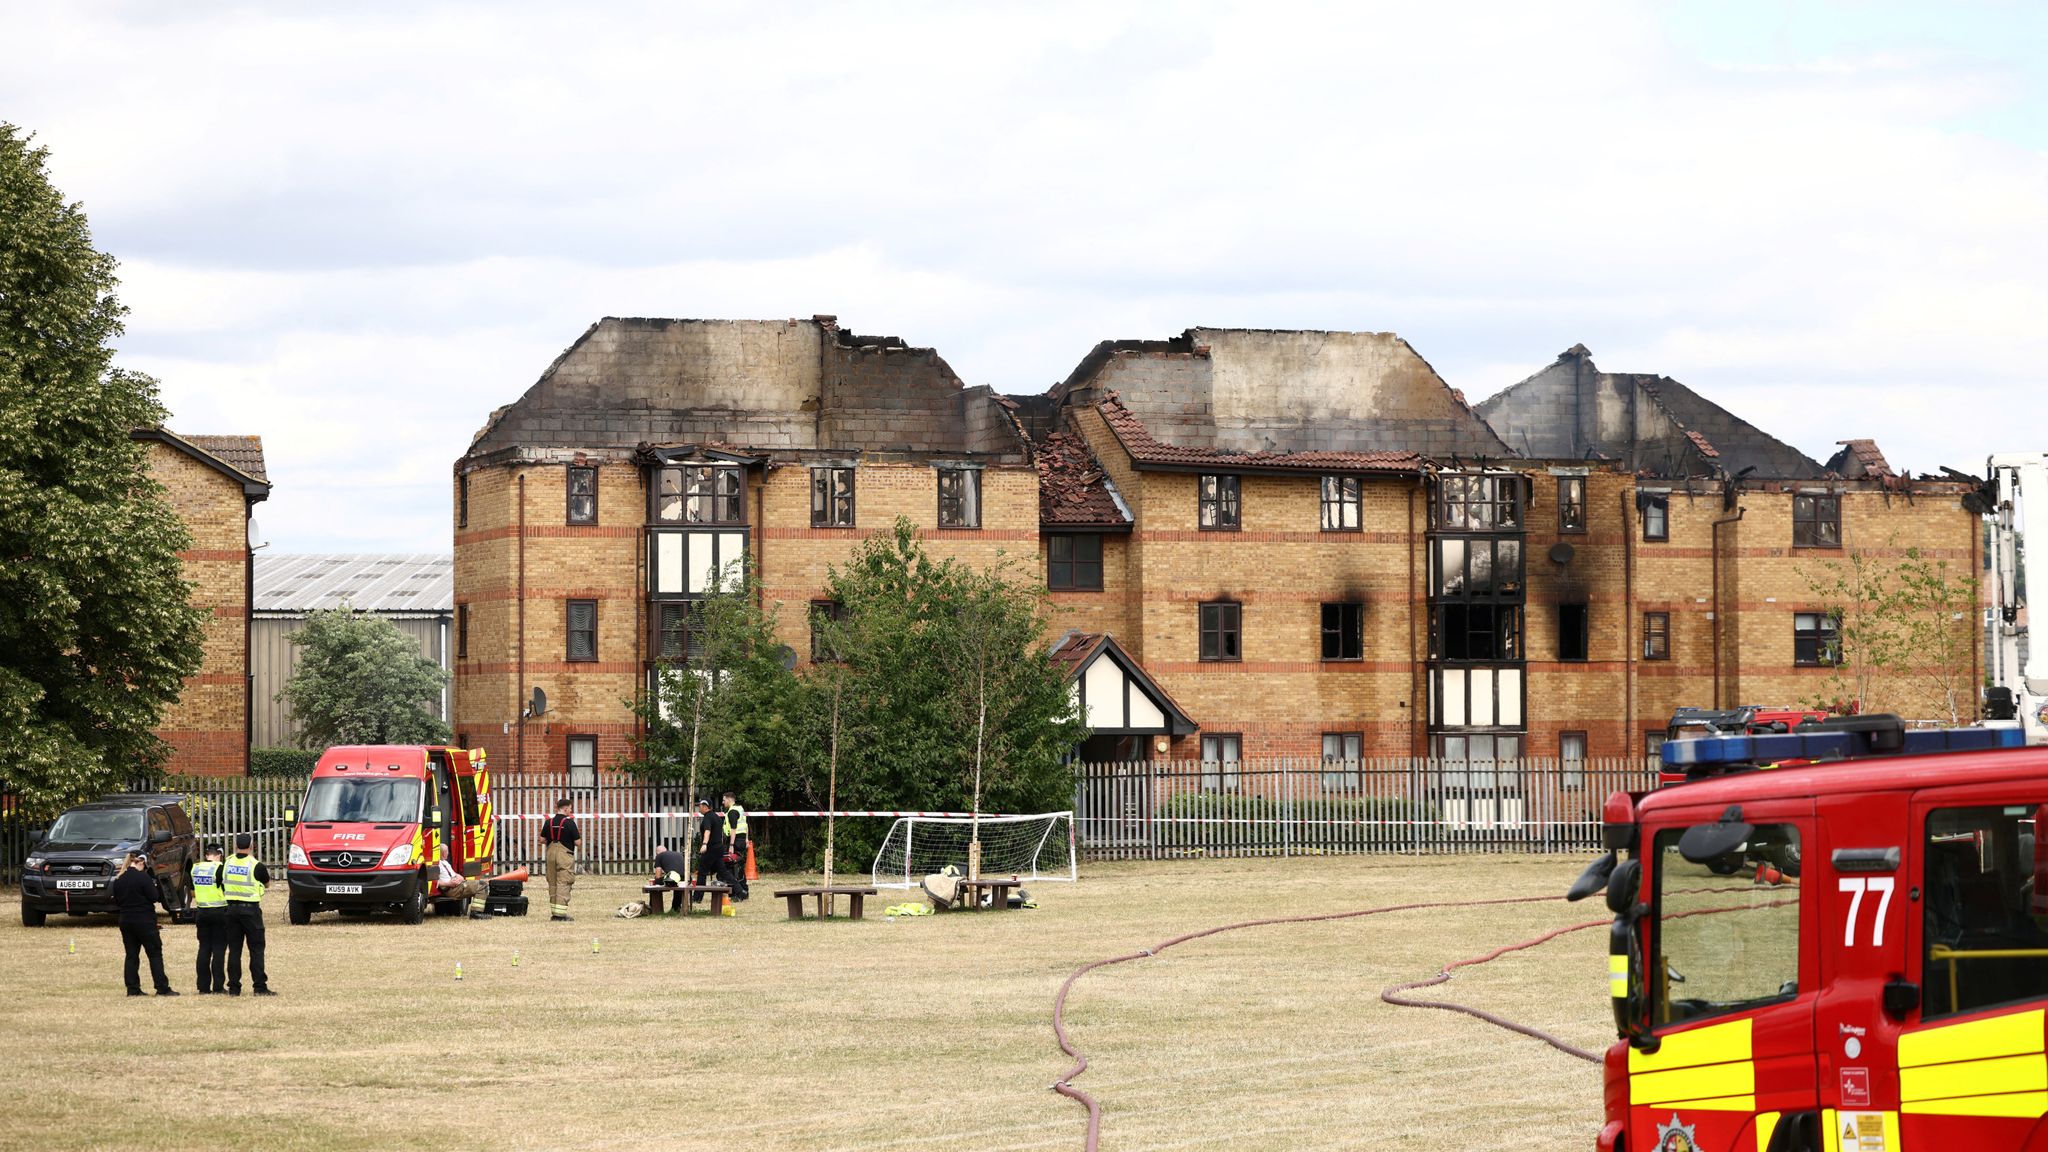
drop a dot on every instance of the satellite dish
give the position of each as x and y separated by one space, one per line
787 655
256 539
539 706
1560 553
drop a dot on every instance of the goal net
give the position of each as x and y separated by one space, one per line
1029 847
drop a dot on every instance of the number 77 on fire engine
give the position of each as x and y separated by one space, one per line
1850 955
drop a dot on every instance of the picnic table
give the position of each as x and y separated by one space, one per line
690 892
998 890
825 901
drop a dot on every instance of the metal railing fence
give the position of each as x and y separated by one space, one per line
1286 807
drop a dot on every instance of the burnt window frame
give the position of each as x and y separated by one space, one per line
829 611
1814 522
1349 631
1817 646
1584 632
462 501
1656 627
827 501
1660 502
571 631
703 494
1073 566
1224 620
1219 502
1571 514
586 512
1340 493
963 502
1481 502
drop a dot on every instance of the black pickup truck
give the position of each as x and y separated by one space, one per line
69 869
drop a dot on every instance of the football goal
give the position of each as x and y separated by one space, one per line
1037 847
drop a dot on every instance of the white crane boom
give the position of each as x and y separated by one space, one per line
2015 522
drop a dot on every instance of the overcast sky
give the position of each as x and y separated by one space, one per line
356 229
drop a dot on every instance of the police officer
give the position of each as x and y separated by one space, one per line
210 902
736 845
710 850
136 895
561 836
243 878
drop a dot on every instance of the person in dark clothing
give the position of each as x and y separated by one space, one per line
136 896
560 836
710 849
210 910
243 878
669 865
736 840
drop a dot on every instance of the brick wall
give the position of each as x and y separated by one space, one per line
208 726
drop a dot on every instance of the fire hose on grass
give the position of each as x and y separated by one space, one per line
1392 995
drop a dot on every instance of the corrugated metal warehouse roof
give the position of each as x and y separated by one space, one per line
387 585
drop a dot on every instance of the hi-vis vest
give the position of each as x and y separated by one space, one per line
735 827
206 889
239 878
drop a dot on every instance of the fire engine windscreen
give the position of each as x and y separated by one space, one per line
363 800
1987 903
1717 950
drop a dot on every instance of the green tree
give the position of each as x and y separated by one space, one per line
952 694
1906 636
97 633
1937 609
724 709
360 680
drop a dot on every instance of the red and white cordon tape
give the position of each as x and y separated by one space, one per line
681 812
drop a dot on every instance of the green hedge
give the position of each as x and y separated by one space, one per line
282 761
1312 823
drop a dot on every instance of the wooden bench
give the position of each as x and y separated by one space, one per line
857 897
689 892
998 890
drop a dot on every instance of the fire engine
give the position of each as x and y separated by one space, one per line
1692 723
376 824
1879 984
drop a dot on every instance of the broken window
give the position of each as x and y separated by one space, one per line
582 495
1656 515
1073 563
1217 498
582 631
1468 568
1489 503
1815 639
1656 635
1572 631
1341 504
959 498
1571 503
1469 631
1220 632
1343 631
700 494
462 501
831 497
1816 521
824 613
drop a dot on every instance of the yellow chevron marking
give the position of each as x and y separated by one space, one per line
2013 1035
1709 1082
2017 1104
1714 1044
1991 1077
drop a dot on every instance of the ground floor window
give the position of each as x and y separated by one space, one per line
1222 754
583 763
1571 760
1342 752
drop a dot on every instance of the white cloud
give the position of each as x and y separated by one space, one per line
357 230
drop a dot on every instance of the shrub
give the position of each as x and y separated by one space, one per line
282 761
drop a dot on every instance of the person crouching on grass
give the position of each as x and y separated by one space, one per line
668 869
136 896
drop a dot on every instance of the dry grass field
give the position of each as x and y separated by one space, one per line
754 1032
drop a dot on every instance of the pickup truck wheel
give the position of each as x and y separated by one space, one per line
414 909
299 911
32 917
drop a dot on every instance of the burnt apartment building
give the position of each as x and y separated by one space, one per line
1257 543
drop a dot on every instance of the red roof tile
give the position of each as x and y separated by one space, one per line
1866 454
1705 445
1138 441
242 453
1072 489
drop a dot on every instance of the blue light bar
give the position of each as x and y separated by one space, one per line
1771 748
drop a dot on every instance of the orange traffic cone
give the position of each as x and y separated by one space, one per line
1765 874
752 872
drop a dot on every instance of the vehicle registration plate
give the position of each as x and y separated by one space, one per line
74 883
344 889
